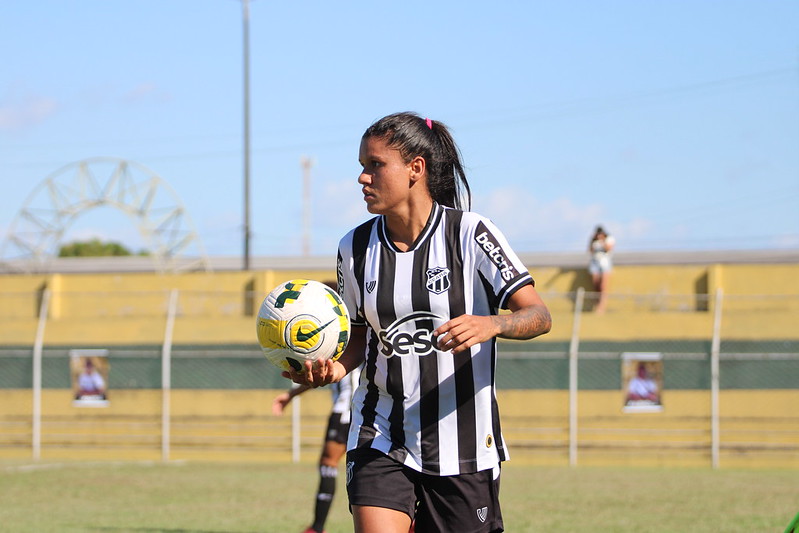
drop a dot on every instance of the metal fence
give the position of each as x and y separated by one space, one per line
725 397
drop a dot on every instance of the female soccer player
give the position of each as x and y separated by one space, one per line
424 281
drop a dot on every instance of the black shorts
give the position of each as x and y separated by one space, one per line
466 503
336 429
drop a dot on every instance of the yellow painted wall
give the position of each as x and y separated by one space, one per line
627 279
656 301
760 279
758 428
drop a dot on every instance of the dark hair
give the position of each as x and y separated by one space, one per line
415 136
597 231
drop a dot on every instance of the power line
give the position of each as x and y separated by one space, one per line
584 106
499 117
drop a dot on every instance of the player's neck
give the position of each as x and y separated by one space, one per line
404 227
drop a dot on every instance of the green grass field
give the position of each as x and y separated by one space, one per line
217 498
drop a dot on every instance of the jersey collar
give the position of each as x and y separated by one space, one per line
432 223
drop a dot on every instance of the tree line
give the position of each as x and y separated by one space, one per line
96 248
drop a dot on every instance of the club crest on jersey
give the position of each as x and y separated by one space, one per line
370 286
437 279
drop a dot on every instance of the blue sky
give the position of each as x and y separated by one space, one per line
675 123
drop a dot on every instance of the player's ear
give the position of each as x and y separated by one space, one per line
417 168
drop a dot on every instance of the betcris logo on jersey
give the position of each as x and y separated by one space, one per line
411 334
486 240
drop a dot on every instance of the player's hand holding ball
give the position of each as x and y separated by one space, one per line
303 327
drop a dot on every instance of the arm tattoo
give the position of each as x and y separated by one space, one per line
525 323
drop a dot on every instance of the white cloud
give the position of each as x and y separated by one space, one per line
103 95
786 241
23 111
531 224
637 228
337 208
560 225
146 92
340 205
634 234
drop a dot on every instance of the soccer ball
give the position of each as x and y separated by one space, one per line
302 320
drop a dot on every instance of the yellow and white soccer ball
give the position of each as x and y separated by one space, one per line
302 320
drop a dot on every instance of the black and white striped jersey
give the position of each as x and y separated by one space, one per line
433 411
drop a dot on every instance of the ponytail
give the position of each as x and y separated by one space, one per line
415 136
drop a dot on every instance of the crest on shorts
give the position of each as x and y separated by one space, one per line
350 466
482 513
437 279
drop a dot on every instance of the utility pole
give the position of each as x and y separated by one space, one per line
245 6
306 163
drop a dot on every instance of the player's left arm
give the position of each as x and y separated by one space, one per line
529 317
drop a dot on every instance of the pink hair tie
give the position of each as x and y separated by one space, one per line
429 123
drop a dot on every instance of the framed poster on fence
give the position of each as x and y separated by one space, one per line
642 381
88 370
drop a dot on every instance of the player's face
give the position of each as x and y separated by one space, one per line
385 178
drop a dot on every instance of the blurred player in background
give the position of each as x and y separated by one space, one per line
424 281
335 443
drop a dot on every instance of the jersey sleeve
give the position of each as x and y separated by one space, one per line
497 262
347 286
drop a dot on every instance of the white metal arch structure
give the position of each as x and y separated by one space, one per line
37 230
